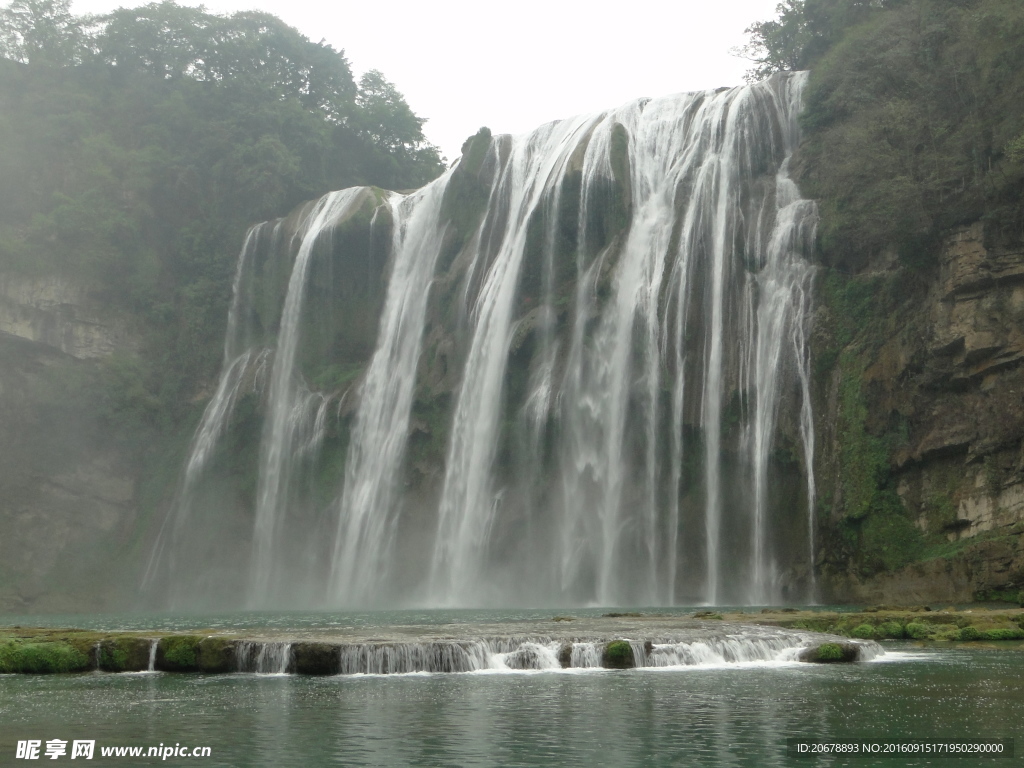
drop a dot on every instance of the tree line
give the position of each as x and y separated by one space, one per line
138 146
913 118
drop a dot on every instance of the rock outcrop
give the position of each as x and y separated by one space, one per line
943 390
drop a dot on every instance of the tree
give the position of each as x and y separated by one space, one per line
41 32
776 46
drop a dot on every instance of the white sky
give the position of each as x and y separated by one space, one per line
464 64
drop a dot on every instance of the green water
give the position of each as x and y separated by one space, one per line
737 716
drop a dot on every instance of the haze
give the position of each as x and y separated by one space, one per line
466 64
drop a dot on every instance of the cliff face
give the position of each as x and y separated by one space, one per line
68 490
924 402
63 315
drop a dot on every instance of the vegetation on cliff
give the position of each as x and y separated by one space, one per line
136 148
913 128
914 118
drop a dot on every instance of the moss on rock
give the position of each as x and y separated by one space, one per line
41 658
618 654
124 654
316 658
216 655
178 653
830 653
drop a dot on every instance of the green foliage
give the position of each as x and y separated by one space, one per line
113 659
829 652
41 31
918 631
890 630
1003 633
863 456
180 652
864 632
778 45
802 31
970 633
912 121
618 654
47 657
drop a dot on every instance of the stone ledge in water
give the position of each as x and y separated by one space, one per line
831 653
316 658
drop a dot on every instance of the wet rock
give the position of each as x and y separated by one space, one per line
830 653
178 653
216 655
124 654
316 658
618 654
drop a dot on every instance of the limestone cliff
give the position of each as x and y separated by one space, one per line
68 506
920 406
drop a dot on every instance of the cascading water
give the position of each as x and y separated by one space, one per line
590 382
363 546
287 427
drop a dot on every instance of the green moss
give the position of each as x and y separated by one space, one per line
113 659
41 658
178 653
216 655
618 654
829 652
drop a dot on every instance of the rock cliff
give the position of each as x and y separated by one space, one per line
928 388
68 490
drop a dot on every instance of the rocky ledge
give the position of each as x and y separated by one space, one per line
611 642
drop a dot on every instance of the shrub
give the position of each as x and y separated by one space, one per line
891 630
865 632
970 633
919 631
179 653
1003 633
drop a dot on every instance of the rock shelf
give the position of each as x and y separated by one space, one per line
609 642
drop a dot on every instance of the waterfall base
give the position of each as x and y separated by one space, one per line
608 642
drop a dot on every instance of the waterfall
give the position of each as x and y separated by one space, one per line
586 378
287 427
263 658
239 355
468 504
363 545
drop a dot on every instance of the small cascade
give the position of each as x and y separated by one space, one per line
585 656
715 651
264 658
529 656
403 658
549 653
151 666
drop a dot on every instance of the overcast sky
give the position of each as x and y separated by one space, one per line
517 65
